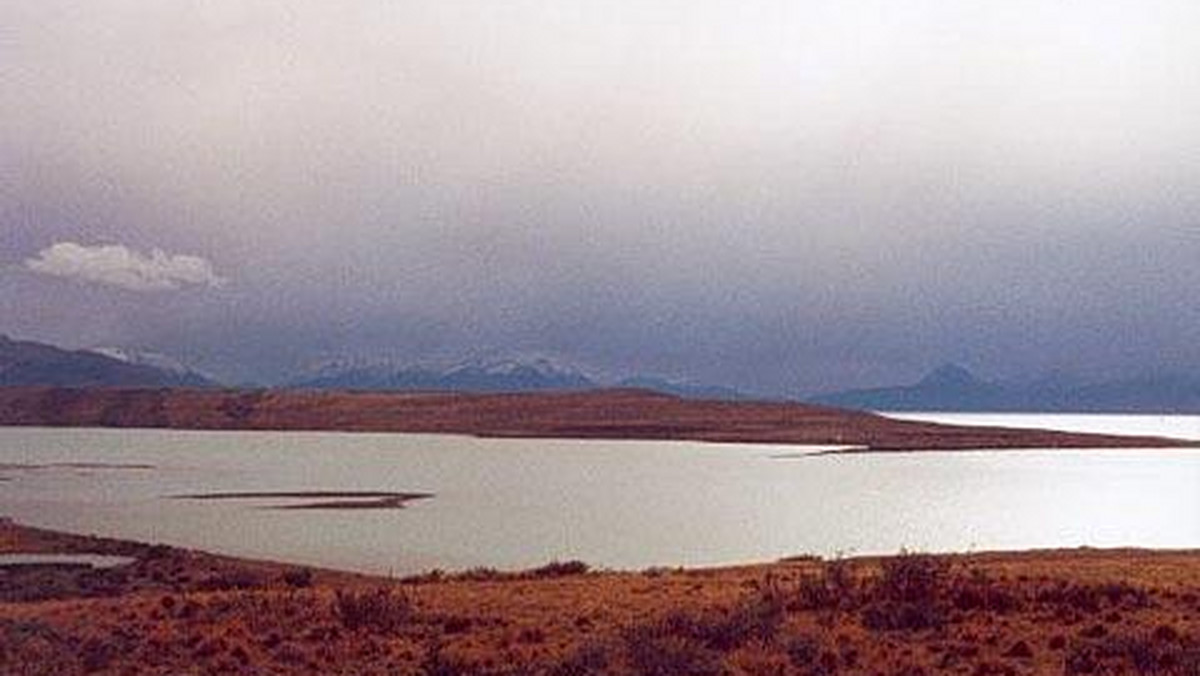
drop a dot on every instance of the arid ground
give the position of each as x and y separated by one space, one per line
596 414
183 612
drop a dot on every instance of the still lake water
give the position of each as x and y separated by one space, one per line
517 503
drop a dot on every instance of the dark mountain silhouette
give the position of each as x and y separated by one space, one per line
1164 393
26 363
953 388
947 388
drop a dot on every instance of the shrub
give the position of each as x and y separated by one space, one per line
298 578
560 569
833 588
592 659
1091 599
693 642
912 577
430 577
759 618
381 609
481 574
901 616
230 580
907 595
803 650
978 592
659 651
95 654
1135 654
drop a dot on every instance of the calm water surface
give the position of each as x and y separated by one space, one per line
519 503
1174 426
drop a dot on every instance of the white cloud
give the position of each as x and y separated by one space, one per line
117 265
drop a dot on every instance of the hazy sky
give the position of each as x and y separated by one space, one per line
785 195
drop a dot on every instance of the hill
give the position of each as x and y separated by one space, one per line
596 414
947 388
953 388
27 363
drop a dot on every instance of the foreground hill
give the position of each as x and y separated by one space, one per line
29 363
600 414
174 611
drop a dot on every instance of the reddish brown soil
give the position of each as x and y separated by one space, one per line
604 414
181 612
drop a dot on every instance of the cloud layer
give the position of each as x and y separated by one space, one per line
781 195
116 265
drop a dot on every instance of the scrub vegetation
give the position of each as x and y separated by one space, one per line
177 611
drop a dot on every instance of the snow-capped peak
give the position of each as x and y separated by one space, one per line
144 358
508 366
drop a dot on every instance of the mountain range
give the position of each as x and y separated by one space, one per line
501 375
954 388
536 374
947 388
28 363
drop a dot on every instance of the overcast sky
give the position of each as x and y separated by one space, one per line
785 196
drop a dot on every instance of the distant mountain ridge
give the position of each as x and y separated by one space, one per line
683 389
948 388
26 363
953 388
509 374
33 364
476 375
156 360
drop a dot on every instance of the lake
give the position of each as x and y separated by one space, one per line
515 503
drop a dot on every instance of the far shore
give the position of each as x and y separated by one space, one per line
591 414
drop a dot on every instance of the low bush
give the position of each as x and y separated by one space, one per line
560 569
659 649
695 642
591 659
1093 598
381 609
230 580
912 578
802 650
298 578
1160 653
835 587
908 596
979 593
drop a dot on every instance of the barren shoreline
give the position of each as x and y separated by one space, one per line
596 414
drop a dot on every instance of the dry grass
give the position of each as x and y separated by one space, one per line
1082 612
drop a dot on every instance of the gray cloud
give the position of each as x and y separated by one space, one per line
116 265
779 194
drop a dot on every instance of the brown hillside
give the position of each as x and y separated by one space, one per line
600 414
